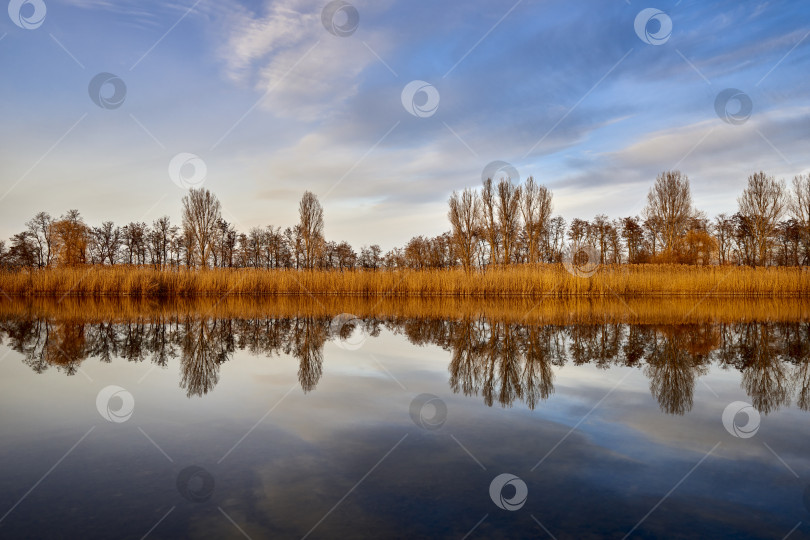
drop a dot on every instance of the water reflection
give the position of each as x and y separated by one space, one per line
498 358
202 345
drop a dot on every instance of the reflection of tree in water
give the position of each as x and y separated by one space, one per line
514 362
44 343
308 337
596 343
673 366
801 375
205 344
764 376
503 362
202 345
537 373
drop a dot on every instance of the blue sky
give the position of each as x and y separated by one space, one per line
274 104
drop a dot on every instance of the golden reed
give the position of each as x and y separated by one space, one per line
550 280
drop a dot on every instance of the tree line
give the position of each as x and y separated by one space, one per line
507 224
498 224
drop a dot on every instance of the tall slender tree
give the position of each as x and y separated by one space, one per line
508 204
489 223
799 206
201 213
311 228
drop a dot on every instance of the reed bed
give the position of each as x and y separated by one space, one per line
553 311
514 281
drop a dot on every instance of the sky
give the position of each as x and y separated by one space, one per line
383 108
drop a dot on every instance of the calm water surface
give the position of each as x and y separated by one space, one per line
185 424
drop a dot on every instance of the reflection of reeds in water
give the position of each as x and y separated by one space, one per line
513 281
518 310
505 353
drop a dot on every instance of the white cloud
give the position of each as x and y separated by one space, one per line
718 158
286 52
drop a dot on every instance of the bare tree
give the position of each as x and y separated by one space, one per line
465 216
106 242
159 240
508 205
370 257
762 204
652 234
578 231
633 235
134 239
22 253
40 230
724 235
535 207
799 205
669 202
489 223
615 242
743 236
601 232
346 257
311 228
201 213
554 239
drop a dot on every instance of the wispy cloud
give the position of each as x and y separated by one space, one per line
260 50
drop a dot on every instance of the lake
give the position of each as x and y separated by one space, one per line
362 418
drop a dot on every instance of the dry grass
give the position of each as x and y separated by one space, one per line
517 281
